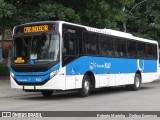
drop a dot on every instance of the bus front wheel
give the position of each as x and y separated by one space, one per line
85 90
47 93
137 83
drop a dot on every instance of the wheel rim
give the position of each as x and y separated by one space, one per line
137 82
86 86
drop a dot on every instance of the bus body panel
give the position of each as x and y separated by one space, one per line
57 82
14 85
104 65
122 79
149 77
33 77
104 80
110 71
106 73
74 82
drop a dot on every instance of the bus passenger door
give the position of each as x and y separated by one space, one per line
70 56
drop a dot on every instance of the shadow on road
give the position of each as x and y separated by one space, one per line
74 94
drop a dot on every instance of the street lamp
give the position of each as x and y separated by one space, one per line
137 5
125 22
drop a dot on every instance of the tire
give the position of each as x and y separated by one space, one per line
47 93
137 83
86 86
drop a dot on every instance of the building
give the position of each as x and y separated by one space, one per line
5 46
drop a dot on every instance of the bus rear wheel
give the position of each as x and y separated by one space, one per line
137 83
85 90
47 93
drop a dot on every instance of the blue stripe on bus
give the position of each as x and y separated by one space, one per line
33 77
103 65
36 73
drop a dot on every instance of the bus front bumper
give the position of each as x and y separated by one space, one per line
56 83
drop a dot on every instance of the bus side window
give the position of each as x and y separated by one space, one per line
120 47
70 45
131 49
106 46
65 46
90 43
73 46
151 51
141 50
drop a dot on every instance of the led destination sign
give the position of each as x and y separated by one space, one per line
32 29
36 28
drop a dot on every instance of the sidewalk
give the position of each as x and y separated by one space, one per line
6 91
4 78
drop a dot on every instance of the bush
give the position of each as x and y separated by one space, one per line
4 70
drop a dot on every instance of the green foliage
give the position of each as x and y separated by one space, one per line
4 70
144 19
6 14
96 13
6 10
139 17
57 11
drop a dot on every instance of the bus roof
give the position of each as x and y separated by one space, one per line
113 32
103 31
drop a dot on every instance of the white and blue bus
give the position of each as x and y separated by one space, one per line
57 55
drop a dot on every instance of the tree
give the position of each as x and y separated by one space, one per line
137 17
99 13
144 20
6 14
96 13
55 11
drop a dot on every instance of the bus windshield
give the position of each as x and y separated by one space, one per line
37 49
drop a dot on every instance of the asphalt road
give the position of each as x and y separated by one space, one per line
118 98
115 99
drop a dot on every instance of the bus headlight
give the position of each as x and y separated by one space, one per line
12 74
54 73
